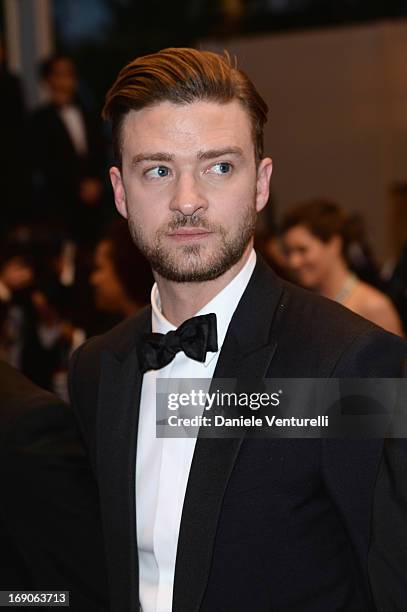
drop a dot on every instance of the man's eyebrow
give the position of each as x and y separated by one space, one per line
159 156
213 153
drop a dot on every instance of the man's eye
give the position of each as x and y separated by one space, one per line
221 168
158 172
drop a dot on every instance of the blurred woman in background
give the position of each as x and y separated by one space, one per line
315 241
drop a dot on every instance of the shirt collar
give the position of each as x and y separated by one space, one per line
223 305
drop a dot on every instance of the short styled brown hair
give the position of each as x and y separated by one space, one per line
182 76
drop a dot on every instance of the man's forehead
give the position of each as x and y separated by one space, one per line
200 124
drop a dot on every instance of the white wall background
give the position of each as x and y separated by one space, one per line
338 116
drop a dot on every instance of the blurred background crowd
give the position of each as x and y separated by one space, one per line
337 223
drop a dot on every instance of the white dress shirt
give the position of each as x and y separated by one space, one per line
75 126
163 464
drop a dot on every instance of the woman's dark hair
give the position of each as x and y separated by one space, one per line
322 218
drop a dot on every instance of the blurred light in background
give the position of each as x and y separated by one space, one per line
77 22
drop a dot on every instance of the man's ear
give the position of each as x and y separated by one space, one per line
264 171
118 190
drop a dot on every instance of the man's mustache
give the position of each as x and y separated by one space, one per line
195 220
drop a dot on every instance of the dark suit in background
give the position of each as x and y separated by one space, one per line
278 525
50 533
58 170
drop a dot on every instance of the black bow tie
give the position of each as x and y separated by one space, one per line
195 337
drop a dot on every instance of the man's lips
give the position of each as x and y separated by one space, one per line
185 233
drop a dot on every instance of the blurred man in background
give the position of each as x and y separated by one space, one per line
67 155
50 528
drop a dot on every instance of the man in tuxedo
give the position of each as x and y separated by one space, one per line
50 531
67 155
218 525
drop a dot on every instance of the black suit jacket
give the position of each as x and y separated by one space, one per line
388 550
50 528
57 169
278 525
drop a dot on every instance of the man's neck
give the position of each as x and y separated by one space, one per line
181 301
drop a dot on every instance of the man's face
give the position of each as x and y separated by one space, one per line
190 187
62 81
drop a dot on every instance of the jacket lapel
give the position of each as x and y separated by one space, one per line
247 352
119 400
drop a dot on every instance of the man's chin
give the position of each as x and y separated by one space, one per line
188 274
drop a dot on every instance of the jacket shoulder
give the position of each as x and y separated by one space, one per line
336 341
119 340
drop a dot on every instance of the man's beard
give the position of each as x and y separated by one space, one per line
194 262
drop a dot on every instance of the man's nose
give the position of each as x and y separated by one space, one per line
188 196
